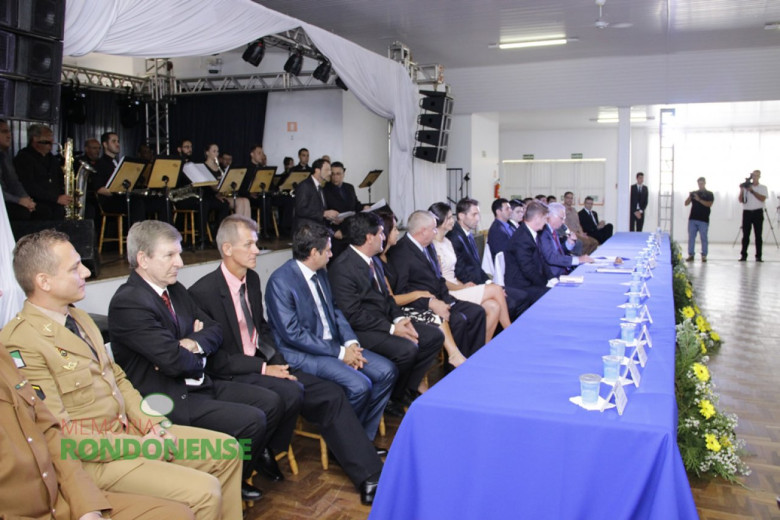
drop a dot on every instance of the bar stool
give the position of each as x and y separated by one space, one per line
120 230
273 219
189 224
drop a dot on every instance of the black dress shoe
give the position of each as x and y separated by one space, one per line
381 452
268 466
394 409
250 492
368 489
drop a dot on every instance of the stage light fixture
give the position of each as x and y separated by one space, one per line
341 84
254 52
322 72
294 63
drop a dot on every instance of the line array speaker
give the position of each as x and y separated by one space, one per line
31 34
434 123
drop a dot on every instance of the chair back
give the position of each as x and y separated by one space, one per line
487 261
500 268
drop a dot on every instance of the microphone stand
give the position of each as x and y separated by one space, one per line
126 186
233 188
203 222
166 192
263 211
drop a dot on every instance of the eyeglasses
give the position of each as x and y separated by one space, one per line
44 142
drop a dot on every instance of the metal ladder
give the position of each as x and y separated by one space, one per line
666 172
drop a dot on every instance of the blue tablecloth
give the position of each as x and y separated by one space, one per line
498 437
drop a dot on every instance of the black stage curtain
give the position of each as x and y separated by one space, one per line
98 112
234 121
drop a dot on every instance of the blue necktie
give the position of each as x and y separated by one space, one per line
327 308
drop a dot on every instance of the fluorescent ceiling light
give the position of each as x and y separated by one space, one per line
533 43
634 119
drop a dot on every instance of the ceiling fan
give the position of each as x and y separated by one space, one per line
602 23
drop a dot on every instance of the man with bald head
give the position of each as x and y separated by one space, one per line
412 265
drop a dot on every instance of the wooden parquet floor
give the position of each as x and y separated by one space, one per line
741 300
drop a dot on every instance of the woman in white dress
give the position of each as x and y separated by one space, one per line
490 296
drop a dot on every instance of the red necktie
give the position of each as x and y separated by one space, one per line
167 301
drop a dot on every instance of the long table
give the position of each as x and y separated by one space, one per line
498 437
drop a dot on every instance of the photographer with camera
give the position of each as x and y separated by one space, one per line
699 219
752 196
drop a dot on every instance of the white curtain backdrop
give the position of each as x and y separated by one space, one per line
12 299
170 28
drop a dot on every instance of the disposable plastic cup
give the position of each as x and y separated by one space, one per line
617 347
589 388
627 332
611 367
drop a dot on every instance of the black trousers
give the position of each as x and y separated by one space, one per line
325 405
239 410
755 219
413 361
636 224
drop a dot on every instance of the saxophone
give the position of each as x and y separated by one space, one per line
75 183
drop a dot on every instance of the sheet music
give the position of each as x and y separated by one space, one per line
199 174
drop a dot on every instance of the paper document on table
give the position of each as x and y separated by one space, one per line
568 279
346 214
613 270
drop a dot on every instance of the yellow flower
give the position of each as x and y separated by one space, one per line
715 336
724 441
702 373
697 309
687 313
703 347
712 442
688 292
707 410
702 324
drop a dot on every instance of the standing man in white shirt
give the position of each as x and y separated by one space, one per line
752 196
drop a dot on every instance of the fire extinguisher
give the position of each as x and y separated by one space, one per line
496 189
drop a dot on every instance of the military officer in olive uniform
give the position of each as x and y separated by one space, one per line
60 350
38 482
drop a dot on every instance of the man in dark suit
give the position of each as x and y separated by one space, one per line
248 355
589 220
500 230
468 267
315 337
638 204
303 162
340 195
162 340
412 265
525 267
310 201
359 291
104 167
40 173
557 251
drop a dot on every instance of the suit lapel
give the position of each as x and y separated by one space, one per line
305 297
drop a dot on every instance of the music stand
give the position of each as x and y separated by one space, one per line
369 181
231 182
264 177
165 173
294 180
200 176
124 177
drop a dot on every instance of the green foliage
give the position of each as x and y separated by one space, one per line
705 434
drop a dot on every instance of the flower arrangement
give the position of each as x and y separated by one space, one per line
705 435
